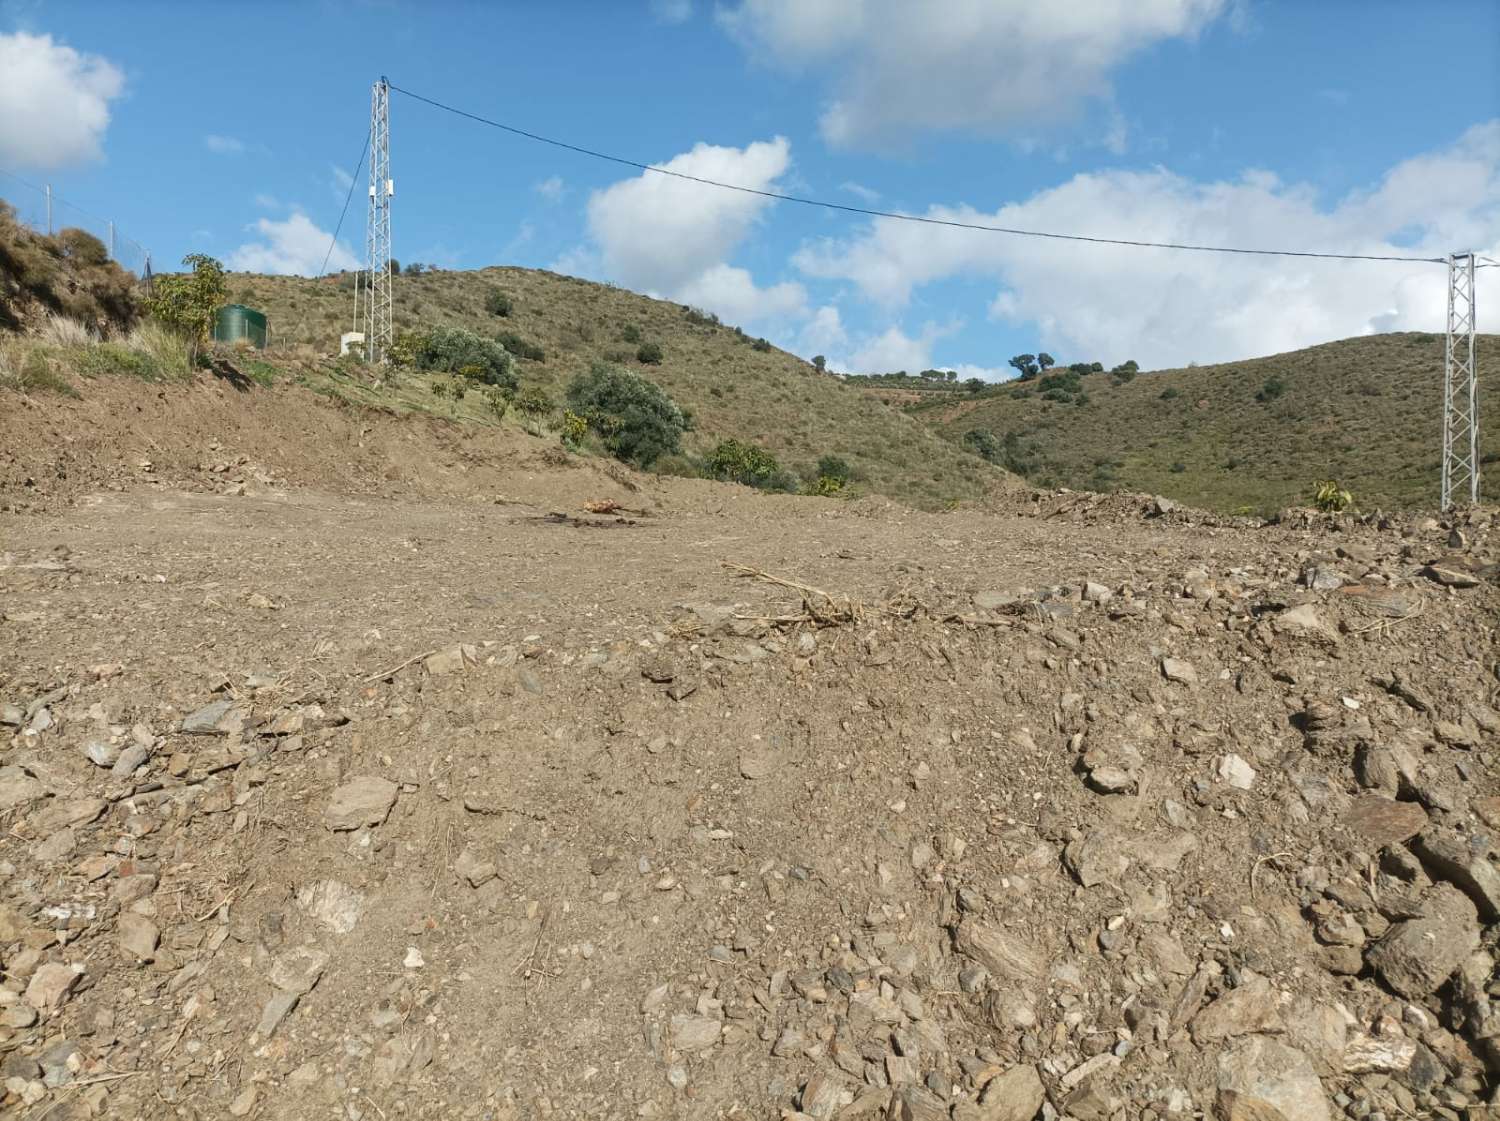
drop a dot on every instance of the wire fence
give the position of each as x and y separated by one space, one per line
42 210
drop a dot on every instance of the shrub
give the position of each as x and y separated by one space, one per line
761 345
117 358
1170 393
649 354
1332 498
574 429
450 349
700 318
518 346
637 422
820 363
82 246
630 334
497 402
1273 388
498 303
734 461
832 467
1179 467
534 402
983 443
188 302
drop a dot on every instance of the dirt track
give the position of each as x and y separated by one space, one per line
982 829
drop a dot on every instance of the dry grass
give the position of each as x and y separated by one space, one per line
733 389
1364 411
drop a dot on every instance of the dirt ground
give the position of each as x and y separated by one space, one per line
360 772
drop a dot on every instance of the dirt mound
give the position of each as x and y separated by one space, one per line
320 805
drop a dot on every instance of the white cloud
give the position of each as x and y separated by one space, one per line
1162 307
54 102
267 202
824 332
864 194
551 189
673 238
672 11
988 66
732 293
224 145
292 247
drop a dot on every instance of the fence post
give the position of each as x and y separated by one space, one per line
49 209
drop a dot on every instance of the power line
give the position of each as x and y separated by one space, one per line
363 151
847 209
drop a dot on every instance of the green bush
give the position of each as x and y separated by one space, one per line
450 349
520 347
649 354
534 402
832 467
1271 390
983 443
636 421
498 303
1170 393
113 358
761 345
630 334
736 462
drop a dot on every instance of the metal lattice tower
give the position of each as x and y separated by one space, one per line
1460 388
377 296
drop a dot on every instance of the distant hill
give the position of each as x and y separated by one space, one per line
735 385
1254 435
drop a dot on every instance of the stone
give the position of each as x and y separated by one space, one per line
1179 670
1016 1095
132 759
917 1103
365 800
59 1063
12 716
1367 1054
1322 578
243 1102
17 788
1415 956
1305 622
1096 593
1234 770
994 600
1098 857
474 868
822 1094
332 904
205 722
452 660
695 1033
758 761
1248 1010
1262 1079
1006 956
1384 821
138 936
101 753
298 970
1463 860
278 1008
51 985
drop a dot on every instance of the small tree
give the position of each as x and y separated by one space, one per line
733 461
187 302
1025 365
498 303
451 349
1045 361
395 267
637 422
820 362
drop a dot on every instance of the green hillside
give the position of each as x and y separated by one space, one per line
1254 435
735 385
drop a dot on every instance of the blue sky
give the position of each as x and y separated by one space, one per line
231 129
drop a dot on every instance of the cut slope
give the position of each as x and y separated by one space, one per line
733 385
1364 411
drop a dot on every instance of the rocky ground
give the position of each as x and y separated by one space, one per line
366 806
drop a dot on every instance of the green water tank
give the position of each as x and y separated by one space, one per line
235 322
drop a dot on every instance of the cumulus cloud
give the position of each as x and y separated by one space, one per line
551 188
224 145
291 247
1164 307
54 102
987 66
673 238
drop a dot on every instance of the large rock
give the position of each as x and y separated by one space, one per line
1016 1095
1261 1079
1007 956
51 985
361 801
1100 856
1463 860
1417 955
1383 821
17 788
1248 1010
1306 623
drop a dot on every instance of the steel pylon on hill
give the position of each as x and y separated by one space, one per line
378 279
1460 388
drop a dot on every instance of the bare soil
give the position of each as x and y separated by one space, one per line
719 804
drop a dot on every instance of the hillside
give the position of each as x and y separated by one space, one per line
733 385
1254 435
